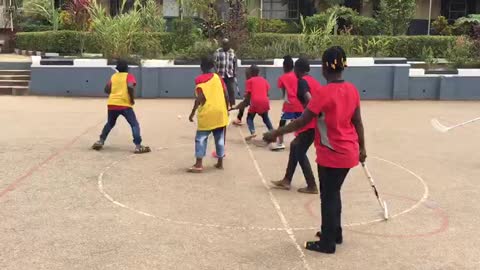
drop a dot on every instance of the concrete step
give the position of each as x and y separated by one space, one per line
15 77
14 90
15 72
14 82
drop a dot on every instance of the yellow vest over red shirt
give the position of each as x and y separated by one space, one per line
213 114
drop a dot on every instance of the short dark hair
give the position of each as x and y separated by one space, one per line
334 59
122 65
302 65
254 70
287 63
207 63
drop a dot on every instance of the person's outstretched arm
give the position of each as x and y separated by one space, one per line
358 124
295 125
245 102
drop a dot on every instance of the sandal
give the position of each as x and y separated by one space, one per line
250 137
142 149
194 169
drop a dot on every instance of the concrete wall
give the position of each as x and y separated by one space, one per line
165 80
74 81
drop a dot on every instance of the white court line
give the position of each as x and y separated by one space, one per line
256 228
275 203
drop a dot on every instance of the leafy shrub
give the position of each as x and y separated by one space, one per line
365 26
428 56
343 13
411 46
253 25
440 26
260 46
395 16
50 41
151 17
316 21
70 42
464 25
42 10
277 26
199 49
398 46
257 25
460 52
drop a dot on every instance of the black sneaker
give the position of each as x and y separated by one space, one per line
338 239
320 246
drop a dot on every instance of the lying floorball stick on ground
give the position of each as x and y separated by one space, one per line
438 126
382 203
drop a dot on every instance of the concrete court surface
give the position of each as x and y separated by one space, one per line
64 206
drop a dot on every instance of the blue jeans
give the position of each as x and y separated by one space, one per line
129 114
201 142
251 125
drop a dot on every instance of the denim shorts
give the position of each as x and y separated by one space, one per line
290 115
201 142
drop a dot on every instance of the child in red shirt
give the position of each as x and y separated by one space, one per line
256 95
292 107
307 87
339 142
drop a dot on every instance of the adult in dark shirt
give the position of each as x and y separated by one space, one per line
307 86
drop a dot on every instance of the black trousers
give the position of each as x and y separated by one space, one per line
331 180
298 155
230 83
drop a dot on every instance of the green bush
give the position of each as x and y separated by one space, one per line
440 26
391 46
343 13
316 21
365 26
412 46
253 25
51 41
277 26
72 42
395 16
260 46
460 52
257 25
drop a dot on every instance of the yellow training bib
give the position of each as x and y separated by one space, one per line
119 90
213 114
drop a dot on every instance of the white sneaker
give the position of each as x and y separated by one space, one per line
277 147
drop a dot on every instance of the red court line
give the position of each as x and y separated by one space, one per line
12 186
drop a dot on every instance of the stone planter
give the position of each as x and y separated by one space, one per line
249 62
441 71
186 62
390 60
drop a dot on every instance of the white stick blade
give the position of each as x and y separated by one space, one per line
438 126
385 211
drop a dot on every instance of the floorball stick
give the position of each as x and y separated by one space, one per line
440 127
382 203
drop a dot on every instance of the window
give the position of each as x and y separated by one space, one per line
280 9
457 9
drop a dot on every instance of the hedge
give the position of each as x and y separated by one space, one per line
261 45
397 46
72 42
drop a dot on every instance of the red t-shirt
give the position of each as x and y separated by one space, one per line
132 82
258 89
289 82
313 88
336 139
